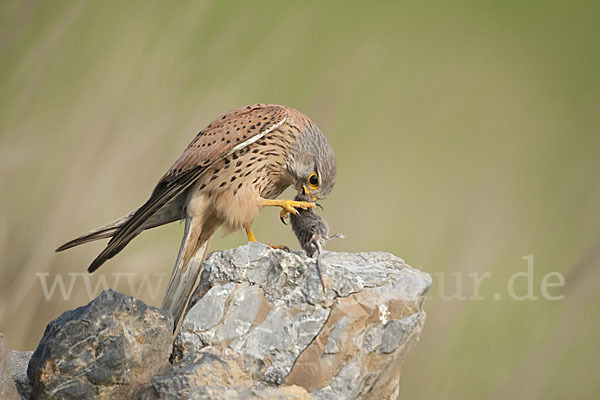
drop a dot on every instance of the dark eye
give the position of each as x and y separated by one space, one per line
313 180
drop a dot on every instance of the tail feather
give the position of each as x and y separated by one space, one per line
102 232
168 214
188 266
181 286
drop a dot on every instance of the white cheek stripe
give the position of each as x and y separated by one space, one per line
256 137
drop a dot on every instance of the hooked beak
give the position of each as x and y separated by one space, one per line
306 193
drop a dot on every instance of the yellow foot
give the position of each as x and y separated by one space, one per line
288 206
279 247
253 239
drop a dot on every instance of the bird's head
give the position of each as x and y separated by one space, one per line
311 164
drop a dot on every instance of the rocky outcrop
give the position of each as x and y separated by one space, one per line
269 308
109 348
259 326
215 373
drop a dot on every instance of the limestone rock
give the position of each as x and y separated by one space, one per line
18 364
209 367
260 326
106 349
268 307
8 389
215 373
246 393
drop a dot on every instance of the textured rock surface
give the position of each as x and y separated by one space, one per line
246 393
18 364
259 326
267 306
106 349
219 367
214 373
8 389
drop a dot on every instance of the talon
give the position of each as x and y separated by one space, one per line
306 204
289 209
320 206
283 215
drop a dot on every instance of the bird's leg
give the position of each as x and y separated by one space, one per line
252 238
288 206
250 234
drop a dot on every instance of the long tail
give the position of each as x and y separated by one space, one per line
168 214
102 232
194 246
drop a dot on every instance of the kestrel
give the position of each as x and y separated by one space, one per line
238 164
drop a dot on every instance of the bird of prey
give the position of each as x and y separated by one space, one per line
238 164
312 232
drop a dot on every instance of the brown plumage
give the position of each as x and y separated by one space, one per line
235 166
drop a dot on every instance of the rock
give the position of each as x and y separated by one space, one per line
267 306
218 367
215 373
8 389
259 326
18 364
245 393
109 349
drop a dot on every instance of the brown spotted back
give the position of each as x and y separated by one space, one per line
259 166
230 132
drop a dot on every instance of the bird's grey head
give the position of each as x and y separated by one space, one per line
311 164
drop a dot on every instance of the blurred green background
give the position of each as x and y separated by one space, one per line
467 137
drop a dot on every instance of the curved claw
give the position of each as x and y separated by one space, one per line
320 206
283 215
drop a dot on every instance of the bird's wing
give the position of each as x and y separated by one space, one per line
229 133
